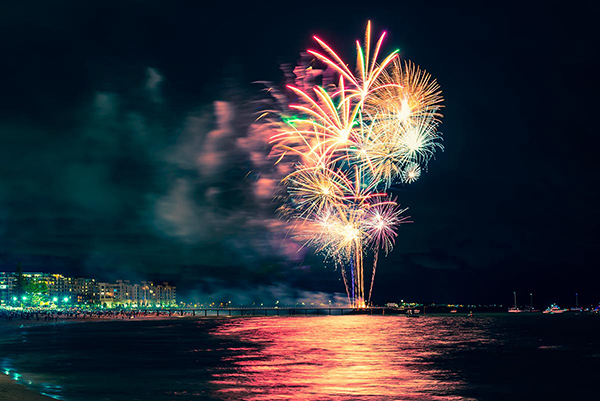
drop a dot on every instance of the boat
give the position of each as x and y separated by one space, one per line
412 313
577 308
554 309
515 309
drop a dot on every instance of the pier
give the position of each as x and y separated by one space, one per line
272 311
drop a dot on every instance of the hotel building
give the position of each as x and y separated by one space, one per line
87 291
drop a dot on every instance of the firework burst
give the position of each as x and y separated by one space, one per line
348 144
411 173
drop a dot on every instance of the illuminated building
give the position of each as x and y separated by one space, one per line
166 294
140 295
87 291
6 287
106 296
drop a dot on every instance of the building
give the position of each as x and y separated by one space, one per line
85 291
106 295
59 287
7 283
63 290
166 294
145 294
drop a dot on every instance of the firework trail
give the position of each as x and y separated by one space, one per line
347 142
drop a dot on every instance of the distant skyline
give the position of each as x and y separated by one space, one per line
125 150
270 295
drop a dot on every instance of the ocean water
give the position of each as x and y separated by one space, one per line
364 357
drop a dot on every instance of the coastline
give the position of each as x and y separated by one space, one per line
10 390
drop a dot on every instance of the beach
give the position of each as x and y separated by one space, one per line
10 390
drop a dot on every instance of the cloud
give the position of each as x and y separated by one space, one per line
219 291
213 158
178 216
264 188
153 84
225 186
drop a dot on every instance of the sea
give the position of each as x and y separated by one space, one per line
353 357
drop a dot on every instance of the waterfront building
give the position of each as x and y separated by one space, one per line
147 293
106 295
59 287
123 292
63 290
166 294
85 290
7 283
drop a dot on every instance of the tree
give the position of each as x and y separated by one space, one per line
35 291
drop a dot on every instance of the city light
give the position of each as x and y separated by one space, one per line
54 290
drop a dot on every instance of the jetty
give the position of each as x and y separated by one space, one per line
273 311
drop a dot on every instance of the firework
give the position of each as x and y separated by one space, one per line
348 143
381 222
411 173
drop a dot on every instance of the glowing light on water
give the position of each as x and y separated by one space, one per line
338 358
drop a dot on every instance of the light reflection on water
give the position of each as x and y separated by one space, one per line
342 357
484 358
44 388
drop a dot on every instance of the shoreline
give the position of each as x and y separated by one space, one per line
10 325
14 325
12 390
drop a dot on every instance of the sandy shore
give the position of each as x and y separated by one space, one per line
17 323
10 390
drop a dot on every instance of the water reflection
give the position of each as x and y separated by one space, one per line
342 357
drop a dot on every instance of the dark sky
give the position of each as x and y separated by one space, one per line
125 150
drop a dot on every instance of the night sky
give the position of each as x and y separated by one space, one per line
125 149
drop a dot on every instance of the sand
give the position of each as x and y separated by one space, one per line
10 390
